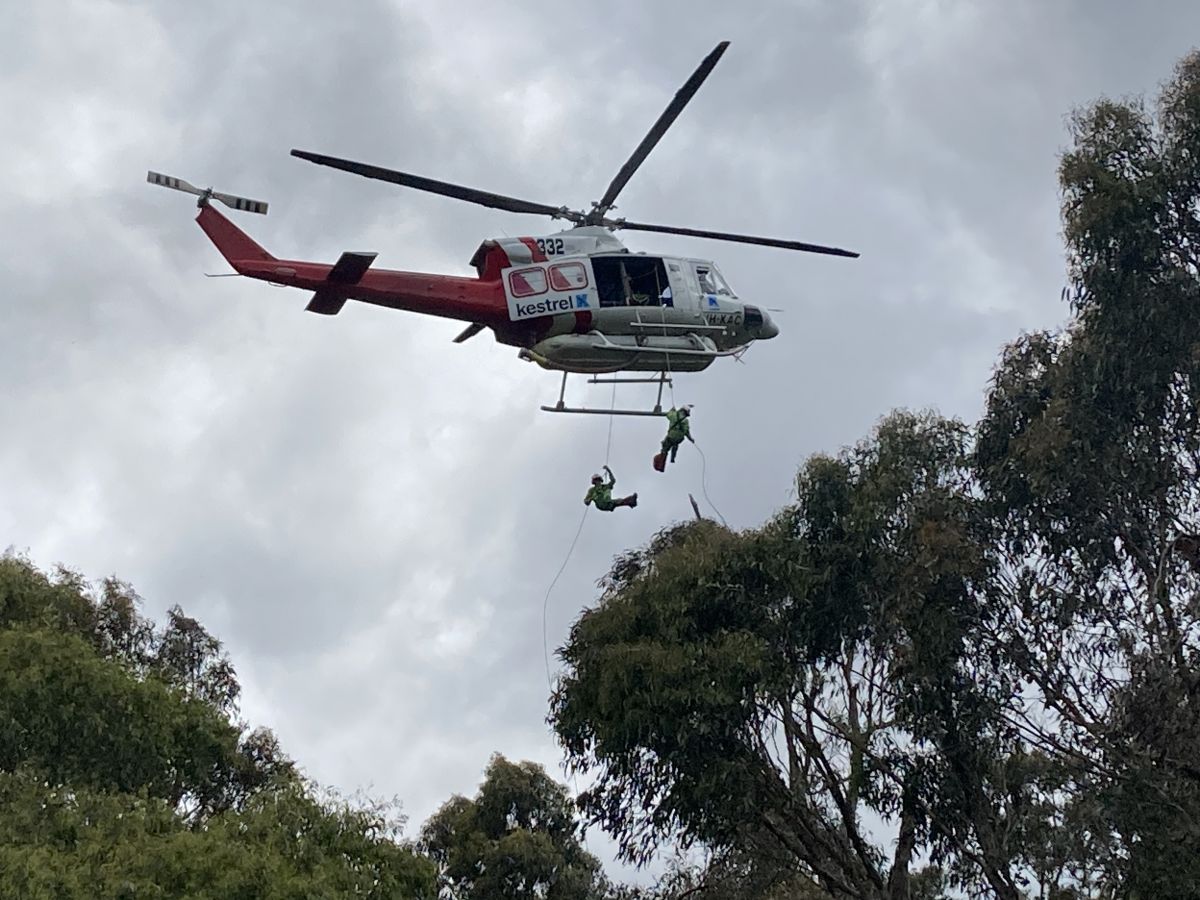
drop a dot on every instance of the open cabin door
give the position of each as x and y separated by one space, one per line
626 279
683 293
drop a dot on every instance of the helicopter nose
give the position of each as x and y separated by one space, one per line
768 329
759 324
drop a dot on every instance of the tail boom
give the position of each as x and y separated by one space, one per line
233 243
451 297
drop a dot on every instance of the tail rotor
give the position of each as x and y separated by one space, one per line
205 194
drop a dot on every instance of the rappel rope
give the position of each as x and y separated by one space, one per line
703 458
666 353
549 590
571 549
704 484
611 406
578 531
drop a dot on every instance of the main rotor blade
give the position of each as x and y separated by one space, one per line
670 114
458 192
736 238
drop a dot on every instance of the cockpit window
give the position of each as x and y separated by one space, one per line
711 281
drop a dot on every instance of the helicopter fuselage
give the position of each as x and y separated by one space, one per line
571 302
575 301
579 301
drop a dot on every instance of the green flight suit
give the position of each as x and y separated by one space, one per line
678 429
600 493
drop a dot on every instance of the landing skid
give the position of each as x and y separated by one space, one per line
561 406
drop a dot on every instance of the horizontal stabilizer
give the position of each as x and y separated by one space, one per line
350 267
469 332
230 200
327 302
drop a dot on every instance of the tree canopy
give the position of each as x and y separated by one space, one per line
965 657
518 838
123 773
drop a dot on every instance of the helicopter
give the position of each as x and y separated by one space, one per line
576 301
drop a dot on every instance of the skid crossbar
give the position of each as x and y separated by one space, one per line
561 406
605 412
627 380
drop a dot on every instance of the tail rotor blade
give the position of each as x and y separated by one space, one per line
177 184
242 203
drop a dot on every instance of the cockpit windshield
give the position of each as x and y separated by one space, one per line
711 281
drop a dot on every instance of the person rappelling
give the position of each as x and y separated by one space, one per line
678 428
600 493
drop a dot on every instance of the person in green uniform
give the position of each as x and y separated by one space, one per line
600 493
678 428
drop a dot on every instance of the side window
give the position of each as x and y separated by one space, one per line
527 282
568 277
711 281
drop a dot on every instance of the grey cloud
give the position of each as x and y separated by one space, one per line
370 516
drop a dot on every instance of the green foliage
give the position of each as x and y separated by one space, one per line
986 638
731 875
1089 456
30 597
92 696
60 844
189 658
84 720
122 774
518 838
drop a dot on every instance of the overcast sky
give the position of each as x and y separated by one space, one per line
368 515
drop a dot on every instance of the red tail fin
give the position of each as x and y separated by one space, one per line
233 243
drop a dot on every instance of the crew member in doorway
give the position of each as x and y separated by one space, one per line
600 493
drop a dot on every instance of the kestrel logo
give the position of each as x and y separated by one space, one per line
712 302
549 306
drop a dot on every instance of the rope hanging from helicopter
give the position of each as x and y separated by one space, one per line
667 375
703 458
571 549
704 485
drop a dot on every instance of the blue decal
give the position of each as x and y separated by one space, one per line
712 302
581 301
